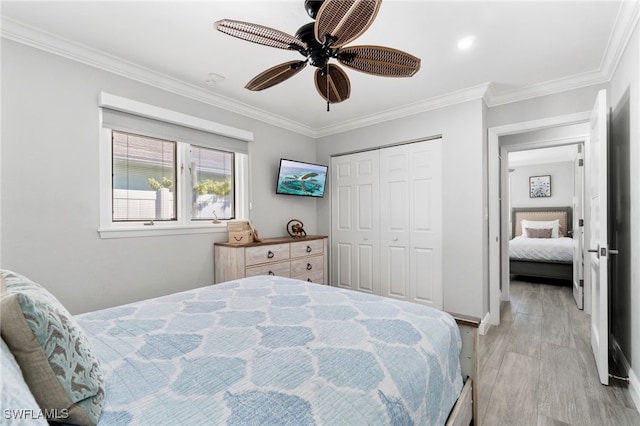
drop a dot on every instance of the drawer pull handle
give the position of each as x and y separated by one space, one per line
270 254
309 280
309 267
271 273
309 249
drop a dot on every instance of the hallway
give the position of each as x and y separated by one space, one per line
537 367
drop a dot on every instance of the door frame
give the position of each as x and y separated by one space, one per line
497 170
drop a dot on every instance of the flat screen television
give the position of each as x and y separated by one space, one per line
299 178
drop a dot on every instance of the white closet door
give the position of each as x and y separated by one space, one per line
411 222
355 222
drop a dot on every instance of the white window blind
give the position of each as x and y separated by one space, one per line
131 123
144 173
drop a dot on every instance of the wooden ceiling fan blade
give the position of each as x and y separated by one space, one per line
335 86
345 20
378 60
275 75
259 34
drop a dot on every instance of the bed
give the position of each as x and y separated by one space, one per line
541 254
268 350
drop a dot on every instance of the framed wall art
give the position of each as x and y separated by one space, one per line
540 186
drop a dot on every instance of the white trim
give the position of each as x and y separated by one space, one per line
183 225
159 229
130 106
497 242
623 29
634 389
494 98
485 324
626 22
436 102
36 38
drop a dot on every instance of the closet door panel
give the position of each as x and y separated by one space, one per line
387 222
397 261
426 223
423 276
342 266
394 222
355 217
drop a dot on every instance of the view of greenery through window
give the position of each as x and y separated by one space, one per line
144 180
212 173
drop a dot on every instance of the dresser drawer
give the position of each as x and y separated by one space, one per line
316 277
264 254
307 265
306 248
281 269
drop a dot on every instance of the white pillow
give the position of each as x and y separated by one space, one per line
540 224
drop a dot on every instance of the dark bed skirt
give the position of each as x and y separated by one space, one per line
562 271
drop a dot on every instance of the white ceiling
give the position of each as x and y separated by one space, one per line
556 154
524 49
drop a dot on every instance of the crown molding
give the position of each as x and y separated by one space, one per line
436 102
497 98
626 21
36 38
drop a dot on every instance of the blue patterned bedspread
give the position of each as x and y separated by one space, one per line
269 350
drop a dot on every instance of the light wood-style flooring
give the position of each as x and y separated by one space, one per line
537 368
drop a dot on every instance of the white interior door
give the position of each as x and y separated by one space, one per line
355 217
597 241
395 232
578 231
411 222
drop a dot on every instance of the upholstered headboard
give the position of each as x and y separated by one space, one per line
563 214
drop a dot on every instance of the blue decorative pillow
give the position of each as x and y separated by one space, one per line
52 351
18 405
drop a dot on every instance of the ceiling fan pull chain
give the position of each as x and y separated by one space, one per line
327 76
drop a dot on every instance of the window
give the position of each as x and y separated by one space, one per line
144 173
212 189
166 173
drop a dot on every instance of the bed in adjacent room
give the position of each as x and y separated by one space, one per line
542 243
271 350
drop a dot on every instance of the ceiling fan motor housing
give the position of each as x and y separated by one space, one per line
318 53
312 7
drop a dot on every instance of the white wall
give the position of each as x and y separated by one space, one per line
561 185
50 186
461 127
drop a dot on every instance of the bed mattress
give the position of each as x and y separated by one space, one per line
542 249
270 350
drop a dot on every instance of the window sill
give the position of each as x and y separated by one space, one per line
157 230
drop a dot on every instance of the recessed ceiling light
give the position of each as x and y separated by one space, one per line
466 42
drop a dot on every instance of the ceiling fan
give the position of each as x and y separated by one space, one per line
337 23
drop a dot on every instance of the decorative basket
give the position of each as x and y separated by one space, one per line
240 232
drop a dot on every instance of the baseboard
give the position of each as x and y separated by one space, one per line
485 325
634 389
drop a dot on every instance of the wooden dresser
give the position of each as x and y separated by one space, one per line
302 258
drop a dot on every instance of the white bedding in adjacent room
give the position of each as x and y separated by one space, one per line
542 249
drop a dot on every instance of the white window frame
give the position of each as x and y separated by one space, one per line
184 224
